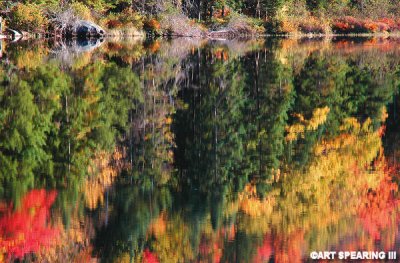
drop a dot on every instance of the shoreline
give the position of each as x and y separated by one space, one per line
212 35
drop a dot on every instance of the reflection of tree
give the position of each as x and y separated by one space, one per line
28 103
126 231
227 132
270 86
54 119
342 85
95 112
25 229
151 139
209 130
273 152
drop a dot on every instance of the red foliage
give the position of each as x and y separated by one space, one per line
149 257
26 230
392 24
210 249
264 252
379 205
288 249
388 21
350 24
382 131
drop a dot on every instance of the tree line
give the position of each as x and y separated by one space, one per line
159 16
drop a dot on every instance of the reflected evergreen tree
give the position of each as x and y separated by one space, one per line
127 228
209 131
270 85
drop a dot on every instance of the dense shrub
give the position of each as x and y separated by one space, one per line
348 25
131 18
175 24
313 25
113 23
127 18
393 25
243 25
28 17
81 10
373 27
152 26
274 26
222 12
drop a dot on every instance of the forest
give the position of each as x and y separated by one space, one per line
204 17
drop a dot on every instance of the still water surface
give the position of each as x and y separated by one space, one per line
198 151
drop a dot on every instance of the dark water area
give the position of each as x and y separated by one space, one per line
192 150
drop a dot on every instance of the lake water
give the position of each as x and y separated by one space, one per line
190 150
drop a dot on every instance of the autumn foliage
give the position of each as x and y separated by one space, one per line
152 25
26 229
379 205
149 257
28 17
348 24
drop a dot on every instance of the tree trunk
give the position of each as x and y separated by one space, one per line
258 9
199 9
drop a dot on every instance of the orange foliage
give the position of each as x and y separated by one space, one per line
154 46
159 225
311 25
152 24
113 46
221 54
350 24
222 12
114 23
288 249
251 205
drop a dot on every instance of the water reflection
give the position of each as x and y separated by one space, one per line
25 229
198 151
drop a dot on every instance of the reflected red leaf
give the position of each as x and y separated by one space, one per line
26 229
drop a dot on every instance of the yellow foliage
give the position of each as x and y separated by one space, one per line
330 187
31 58
83 60
81 10
318 118
174 245
252 205
28 17
101 177
384 114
